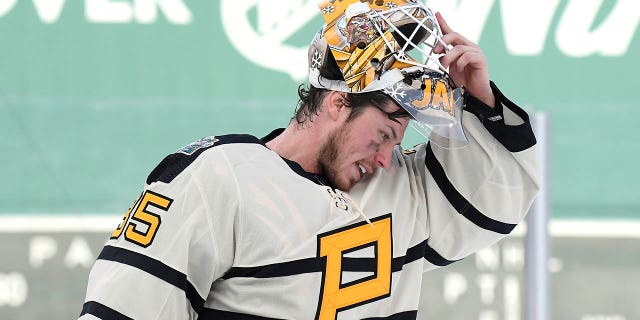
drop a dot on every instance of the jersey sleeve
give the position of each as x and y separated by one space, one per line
476 195
176 239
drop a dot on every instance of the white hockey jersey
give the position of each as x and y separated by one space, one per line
227 229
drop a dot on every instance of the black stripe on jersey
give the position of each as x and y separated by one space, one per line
315 264
214 314
155 268
281 269
419 251
406 315
172 165
308 265
514 138
211 314
434 257
458 202
101 311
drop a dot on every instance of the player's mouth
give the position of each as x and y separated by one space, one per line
362 169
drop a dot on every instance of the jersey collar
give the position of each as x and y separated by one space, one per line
318 179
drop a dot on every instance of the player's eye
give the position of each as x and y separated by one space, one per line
384 136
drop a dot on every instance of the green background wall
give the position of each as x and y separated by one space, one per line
88 106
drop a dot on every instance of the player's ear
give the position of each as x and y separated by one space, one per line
336 104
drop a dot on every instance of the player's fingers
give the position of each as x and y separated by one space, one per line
443 24
452 39
449 41
470 59
456 39
455 53
444 27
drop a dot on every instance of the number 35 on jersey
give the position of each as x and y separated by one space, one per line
139 224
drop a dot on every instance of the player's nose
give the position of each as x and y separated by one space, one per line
382 158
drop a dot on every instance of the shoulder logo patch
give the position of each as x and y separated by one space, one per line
197 145
409 151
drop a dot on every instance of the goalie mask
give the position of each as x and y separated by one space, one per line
370 42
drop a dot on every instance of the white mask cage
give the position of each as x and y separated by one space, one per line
426 31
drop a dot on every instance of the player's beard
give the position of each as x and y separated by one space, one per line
330 156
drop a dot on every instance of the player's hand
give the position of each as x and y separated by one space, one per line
466 62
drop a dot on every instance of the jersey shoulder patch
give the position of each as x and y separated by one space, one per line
203 143
172 165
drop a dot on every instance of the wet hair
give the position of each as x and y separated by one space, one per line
311 97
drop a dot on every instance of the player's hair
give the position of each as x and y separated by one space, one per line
311 98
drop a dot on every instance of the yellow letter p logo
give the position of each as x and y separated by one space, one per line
335 297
